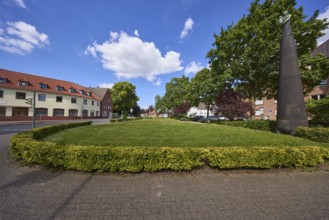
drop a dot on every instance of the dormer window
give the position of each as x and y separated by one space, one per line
88 93
83 92
43 86
24 83
72 90
60 88
3 80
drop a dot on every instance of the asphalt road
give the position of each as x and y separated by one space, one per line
37 193
16 127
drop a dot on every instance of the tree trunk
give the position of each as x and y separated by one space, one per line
253 107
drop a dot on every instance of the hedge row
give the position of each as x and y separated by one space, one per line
263 125
316 134
40 133
150 159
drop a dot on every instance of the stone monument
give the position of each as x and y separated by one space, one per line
291 111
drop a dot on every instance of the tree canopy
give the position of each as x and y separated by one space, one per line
124 96
249 50
176 92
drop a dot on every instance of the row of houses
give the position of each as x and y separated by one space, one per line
54 99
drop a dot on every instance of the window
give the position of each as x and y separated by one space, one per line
1 93
314 97
85 113
85 102
88 93
60 88
73 100
97 104
2 111
72 90
275 101
83 92
92 113
322 96
3 80
41 97
58 112
24 83
73 112
43 86
259 102
92 102
20 95
41 112
97 113
20 111
323 82
59 98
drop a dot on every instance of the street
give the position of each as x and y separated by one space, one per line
16 127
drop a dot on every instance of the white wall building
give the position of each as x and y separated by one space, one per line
54 99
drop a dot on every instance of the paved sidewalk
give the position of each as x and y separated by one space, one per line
36 193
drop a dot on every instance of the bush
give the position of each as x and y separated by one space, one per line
316 134
40 133
263 125
136 159
319 110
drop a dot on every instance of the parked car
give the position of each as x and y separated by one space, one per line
196 118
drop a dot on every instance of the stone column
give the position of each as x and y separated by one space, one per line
291 104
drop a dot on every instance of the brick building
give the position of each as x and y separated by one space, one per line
106 107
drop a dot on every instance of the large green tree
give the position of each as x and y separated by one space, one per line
124 97
205 86
249 50
176 92
159 105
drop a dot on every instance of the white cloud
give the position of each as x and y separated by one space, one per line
323 15
106 85
136 33
192 68
19 3
130 57
187 27
21 38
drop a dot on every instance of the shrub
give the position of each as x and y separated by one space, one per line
136 159
316 134
319 110
263 125
40 133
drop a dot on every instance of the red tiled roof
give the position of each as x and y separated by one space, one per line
13 78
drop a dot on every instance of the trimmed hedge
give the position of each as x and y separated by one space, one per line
136 159
263 125
316 134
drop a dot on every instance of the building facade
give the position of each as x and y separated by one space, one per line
54 99
106 106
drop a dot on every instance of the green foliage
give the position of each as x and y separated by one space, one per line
319 110
160 106
177 91
124 96
150 159
205 86
315 134
249 50
266 157
40 133
263 125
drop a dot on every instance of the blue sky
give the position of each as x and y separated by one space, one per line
101 42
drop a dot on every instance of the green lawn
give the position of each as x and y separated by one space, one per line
172 133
